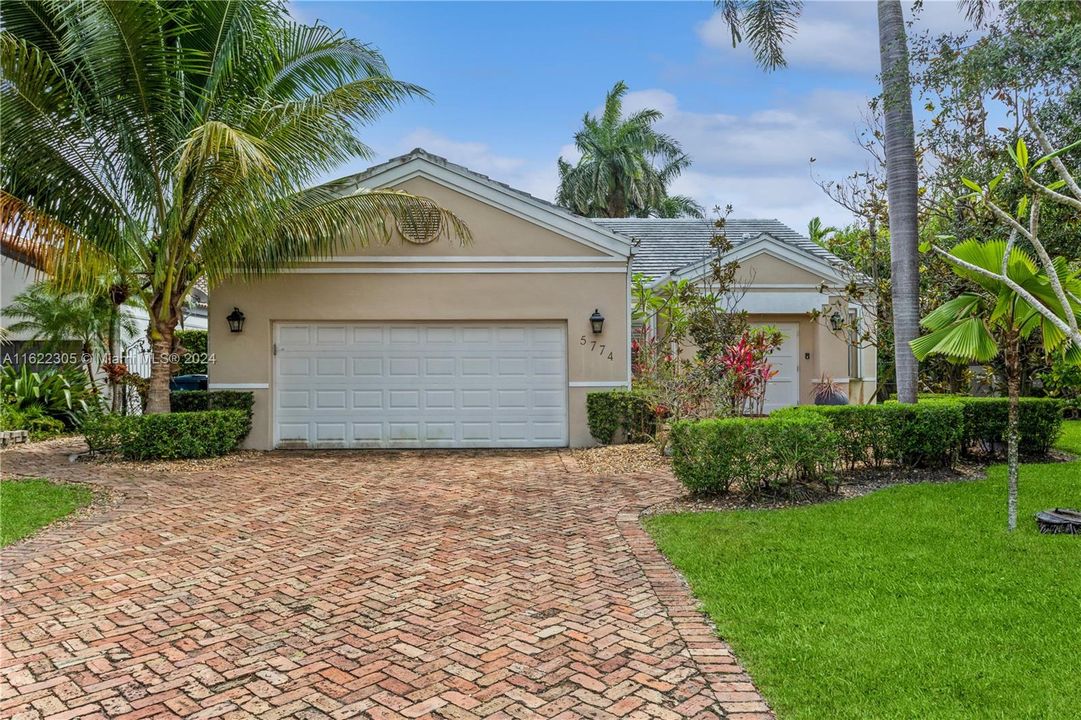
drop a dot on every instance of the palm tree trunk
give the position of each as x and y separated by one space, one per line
1013 386
161 367
114 357
901 189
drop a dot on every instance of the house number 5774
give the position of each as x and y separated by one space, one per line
597 347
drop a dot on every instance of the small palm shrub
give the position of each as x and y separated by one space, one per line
64 394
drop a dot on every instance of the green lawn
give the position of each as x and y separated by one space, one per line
911 602
27 505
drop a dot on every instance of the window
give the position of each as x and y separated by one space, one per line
854 353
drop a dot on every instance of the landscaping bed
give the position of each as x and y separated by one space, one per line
621 459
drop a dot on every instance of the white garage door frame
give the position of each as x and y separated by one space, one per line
785 386
539 425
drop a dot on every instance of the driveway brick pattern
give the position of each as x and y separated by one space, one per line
373 585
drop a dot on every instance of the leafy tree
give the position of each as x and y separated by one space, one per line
162 142
626 166
767 25
977 326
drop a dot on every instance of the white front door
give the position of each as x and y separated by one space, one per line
401 384
783 389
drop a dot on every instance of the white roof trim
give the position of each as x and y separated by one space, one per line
768 245
493 193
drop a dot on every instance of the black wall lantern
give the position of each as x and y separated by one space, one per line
836 321
236 320
596 320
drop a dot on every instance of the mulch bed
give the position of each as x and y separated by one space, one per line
620 459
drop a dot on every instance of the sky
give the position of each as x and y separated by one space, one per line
510 82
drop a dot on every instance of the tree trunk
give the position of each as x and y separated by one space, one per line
114 357
1013 385
901 188
617 202
161 366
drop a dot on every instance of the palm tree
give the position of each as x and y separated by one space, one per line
977 326
768 24
618 174
676 206
58 320
818 233
159 143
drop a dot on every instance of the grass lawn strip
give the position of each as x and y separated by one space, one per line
909 602
29 505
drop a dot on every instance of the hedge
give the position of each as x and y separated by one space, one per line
928 434
755 455
199 400
626 410
193 359
1039 424
168 436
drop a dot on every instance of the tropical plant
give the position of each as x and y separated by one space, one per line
747 367
767 26
60 320
161 143
828 391
675 206
625 167
819 233
976 326
61 393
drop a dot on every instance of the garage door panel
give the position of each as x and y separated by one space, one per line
421 385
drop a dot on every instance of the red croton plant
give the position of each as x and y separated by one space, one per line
688 384
747 367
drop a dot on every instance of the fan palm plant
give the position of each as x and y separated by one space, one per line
977 326
160 143
626 164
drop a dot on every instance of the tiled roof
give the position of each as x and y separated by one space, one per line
665 245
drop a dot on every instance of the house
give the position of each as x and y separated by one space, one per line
426 343
782 277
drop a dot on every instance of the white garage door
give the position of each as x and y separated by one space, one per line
420 385
783 389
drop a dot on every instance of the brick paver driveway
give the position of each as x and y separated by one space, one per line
445 585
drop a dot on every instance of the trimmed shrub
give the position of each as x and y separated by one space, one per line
759 455
167 436
626 410
193 359
201 400
928 434
1039 424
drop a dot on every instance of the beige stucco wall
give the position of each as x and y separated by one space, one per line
357 289
769 281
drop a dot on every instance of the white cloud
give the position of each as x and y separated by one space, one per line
840 35
539 180
756 161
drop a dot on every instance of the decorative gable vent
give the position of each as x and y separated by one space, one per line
420 224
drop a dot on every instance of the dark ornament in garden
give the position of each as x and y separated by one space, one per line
1059 520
